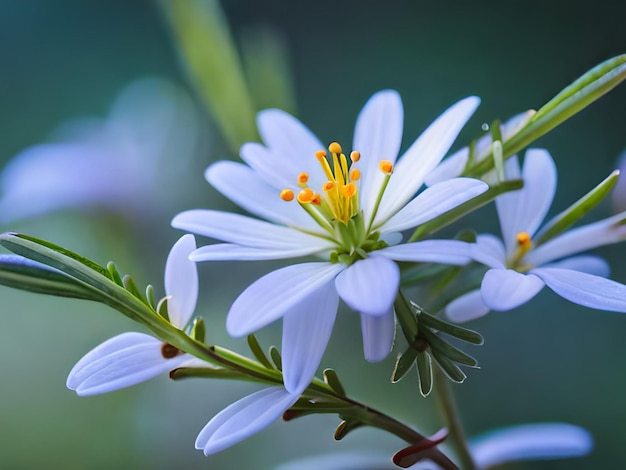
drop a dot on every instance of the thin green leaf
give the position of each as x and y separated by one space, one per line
22 273
424 373
406 317
404 363
332 379
452 352
459 332
208 373
150 296
256 349
452 371
198 329
345 427
577 210
114 274
131 286
276 359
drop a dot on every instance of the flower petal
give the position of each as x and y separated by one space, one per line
524 209
489 251
244 418
585 289
430 251
276 294
585 263
434 201
377 136
505 289
122 361
369 285
242 230
449 168
467 307
378 335
306 331
530 442
181 282
245 187
425 153
587 237
227 251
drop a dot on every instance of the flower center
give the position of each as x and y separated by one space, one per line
524 244
335 206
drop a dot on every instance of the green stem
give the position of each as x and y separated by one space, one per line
448 408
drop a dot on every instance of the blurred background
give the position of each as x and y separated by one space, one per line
66 71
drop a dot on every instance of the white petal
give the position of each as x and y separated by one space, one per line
530 442
247 189
451 167
244 418
585 289
425 153
290 149
489 251
434 201
306 331
119 362
378 335
524 209
586 263
242 230
466 307
505 289
181 282
587 237
430 251
377 135
227 251
369 285
276 294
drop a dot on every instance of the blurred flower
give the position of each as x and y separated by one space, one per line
619 191
455 164
519 269
244 418
362 204
541 441
130 358
121 163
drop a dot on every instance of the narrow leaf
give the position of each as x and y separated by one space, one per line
404 363
276 359
114 274
131 286
464 334
445 348
207 373
256 349
452 371
198 329
424 373
150 296
331 378
345 427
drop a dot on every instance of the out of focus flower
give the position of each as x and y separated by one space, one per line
346 210
131 358
124 163
520 269
541 441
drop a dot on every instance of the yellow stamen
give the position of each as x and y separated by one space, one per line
306 196
320 154
386 167
355 174
335 148
355 156
328 186
348 190
287 195
317 200
523 239
303 178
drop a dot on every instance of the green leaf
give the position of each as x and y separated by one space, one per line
404 363
208 51
424 373
22 273
198 329
451 370
453 353
131 286
577 210
406 317
207 373
114 274
256 349
276 359
150 296
345 427
459 332
332 380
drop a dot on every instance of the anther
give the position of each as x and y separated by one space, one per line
335 148
523 239
328 186
355 156
348 190
386 167
355 174
306 196
303 178
320 154
287 195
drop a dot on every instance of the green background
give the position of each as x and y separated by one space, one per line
548 361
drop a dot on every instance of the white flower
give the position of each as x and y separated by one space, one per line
345 210
130 358
115 163
519 270
244 418
540 441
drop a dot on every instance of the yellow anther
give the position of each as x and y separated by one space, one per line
317 199
303 178
355 156
523 239
320 154
335 148
386 167
306 196
348 190
328 186
287 195
355 174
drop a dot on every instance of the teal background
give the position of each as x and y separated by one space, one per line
548 361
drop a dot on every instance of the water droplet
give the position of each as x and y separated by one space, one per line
485 126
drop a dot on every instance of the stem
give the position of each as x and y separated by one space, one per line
448 408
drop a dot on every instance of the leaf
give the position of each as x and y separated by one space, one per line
345 427
424 373
131 286
577 210
256 349
332 380
404 363
445 348
114 274
21 273
452 371
459 332
207 373
198 329
276 359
